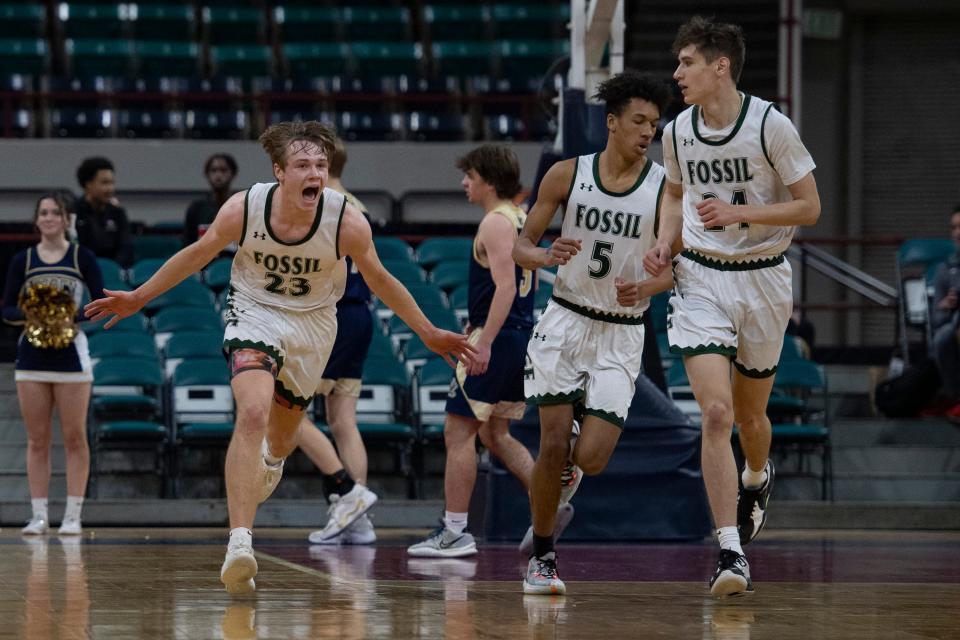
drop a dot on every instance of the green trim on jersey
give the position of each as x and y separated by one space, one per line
763 140
758 374
313 229
336 238
640 178
695 116
721 265
246 208
701 349
676 154
656 216
240 343
556 398
289 396
606 416
602 316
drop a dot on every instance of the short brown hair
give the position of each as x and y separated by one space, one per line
714 39
338 158
277 138
497 164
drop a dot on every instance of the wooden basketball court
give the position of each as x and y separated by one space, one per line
163 583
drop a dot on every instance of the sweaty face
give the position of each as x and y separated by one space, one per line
955 228
695 75
101 189
50 218
634 128
306 172
219 175
474 186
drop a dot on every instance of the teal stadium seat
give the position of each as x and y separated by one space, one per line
136 323
376 23
189 345
467 21
189 293
433 386
463 57
142 270
415 354
216 275
449 275
170 320
168 58
390 248
434 250
315 58
382 411
101 21
524 58
113 274
386 58
308 24
174 22
528 20
409 273
240 60
108 344
96 57
23 20
234 25
24 55
155 246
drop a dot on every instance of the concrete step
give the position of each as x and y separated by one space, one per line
914 459
915 431
897 487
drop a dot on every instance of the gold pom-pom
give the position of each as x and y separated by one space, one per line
49 311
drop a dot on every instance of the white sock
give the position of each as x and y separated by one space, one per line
74 505
241 535
729 538
753 479
268 457
454 521
39 508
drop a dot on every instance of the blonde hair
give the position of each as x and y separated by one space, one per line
277 138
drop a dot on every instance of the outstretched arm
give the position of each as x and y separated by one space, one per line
554 190
356 241
226 228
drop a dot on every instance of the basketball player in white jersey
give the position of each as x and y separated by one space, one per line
738 181
586 348
287 276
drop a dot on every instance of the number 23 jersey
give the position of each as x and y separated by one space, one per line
615 230
302 275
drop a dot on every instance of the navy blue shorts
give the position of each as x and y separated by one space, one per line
354 333
499 391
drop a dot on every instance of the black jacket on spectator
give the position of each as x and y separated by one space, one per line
201 212
106 233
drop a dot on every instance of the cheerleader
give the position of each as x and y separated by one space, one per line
53 370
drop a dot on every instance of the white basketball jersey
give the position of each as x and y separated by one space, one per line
302 275
749 162
615 229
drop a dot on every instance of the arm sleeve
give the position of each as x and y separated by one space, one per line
92 277
670 164
784 149
11 291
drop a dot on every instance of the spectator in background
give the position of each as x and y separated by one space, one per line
50 375
102 225
946 319
220 170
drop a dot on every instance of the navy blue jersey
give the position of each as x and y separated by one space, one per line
77 268
482 287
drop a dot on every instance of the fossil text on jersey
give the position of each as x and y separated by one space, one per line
719 171
295 265
617 223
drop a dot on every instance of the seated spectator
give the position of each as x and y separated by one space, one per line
945 348
220 170
102 225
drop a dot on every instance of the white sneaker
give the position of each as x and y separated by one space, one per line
239 566
36 527
271 475
344 511
360 532
70 527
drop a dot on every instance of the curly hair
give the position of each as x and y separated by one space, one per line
278 138
497 165
618 91
88 169
713 40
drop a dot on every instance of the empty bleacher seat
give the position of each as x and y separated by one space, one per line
234 25
149 123
137 322
162 21
92 122
91 57
529 20
172 319
415 354
304 24
168 58
376 23
390 248
450 274
24 55
155 246
433 388
468 21
22 20
435 127
210 124
189 293
463 57
103 21
434 250
384 58
108 344
315 58
216 275
189 345
526 58
242 60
